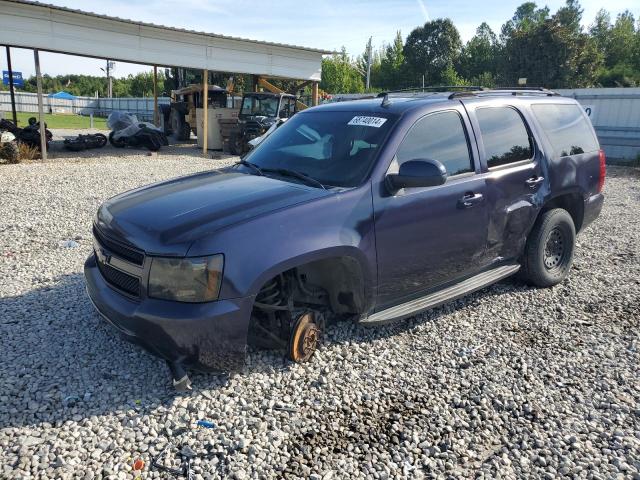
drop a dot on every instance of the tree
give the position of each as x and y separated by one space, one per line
340 75
599 30
392 75
570 16
141 84
527 17
449 76
552 53
479 56
622 40
431 49
619 45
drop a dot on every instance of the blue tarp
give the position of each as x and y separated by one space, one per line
63 95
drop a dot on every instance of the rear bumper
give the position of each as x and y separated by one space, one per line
204 336
592 209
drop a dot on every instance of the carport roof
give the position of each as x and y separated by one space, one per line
48 27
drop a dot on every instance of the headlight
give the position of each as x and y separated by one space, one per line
186 279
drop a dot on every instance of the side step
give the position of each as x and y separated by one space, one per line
441 296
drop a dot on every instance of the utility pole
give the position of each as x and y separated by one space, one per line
369 64
110 66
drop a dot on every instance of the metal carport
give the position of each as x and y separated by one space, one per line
51 28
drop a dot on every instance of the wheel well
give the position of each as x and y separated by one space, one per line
572 203
335 282
333 287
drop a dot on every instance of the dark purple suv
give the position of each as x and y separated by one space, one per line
370 210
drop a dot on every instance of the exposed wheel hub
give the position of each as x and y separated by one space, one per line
305 338
554 249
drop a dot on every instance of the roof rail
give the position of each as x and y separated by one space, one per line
507 91
434 89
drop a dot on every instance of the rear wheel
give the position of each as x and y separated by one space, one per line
101 139
549 250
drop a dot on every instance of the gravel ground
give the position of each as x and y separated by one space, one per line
509 382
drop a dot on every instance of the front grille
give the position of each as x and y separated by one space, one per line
120 280
128 253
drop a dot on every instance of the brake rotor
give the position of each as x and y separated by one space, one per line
305 338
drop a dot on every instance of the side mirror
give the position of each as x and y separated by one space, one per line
417 173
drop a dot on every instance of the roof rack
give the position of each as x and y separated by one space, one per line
507 91
434 89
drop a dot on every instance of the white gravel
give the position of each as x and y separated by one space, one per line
509 382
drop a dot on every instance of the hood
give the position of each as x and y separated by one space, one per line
166 218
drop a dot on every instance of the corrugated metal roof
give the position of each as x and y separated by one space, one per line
164 27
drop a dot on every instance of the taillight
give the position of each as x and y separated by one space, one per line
603 170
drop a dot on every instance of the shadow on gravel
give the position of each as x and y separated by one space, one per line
361 333
61 361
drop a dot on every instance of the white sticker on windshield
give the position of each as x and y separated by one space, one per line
376 122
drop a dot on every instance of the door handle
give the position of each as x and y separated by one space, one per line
533 182
470 199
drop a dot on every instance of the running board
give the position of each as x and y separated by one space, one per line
441 296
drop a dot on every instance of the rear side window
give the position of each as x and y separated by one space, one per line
566 127
439 136
505 137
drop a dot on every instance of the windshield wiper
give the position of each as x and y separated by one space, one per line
299 175
250 165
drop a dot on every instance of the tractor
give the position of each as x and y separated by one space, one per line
259 111
180 116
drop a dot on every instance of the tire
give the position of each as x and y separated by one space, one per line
100 139
549 249
181 130
235 144
118 143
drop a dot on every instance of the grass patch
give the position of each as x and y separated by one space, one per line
57 120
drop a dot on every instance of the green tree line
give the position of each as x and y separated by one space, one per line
549 50
139 85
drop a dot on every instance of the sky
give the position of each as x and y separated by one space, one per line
326 24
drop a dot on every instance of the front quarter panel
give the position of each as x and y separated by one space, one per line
333 226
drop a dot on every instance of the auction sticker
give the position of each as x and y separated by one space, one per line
375 122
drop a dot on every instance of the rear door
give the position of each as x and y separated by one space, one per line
514 169
426 237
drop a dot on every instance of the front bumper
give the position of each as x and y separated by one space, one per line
203 336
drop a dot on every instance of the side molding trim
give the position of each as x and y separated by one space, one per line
441 296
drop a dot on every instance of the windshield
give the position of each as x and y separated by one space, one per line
259 106
335 148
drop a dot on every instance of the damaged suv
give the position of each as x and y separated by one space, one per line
370 210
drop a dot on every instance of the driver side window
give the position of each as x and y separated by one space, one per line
439 136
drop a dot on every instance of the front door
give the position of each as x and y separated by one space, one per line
426 237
